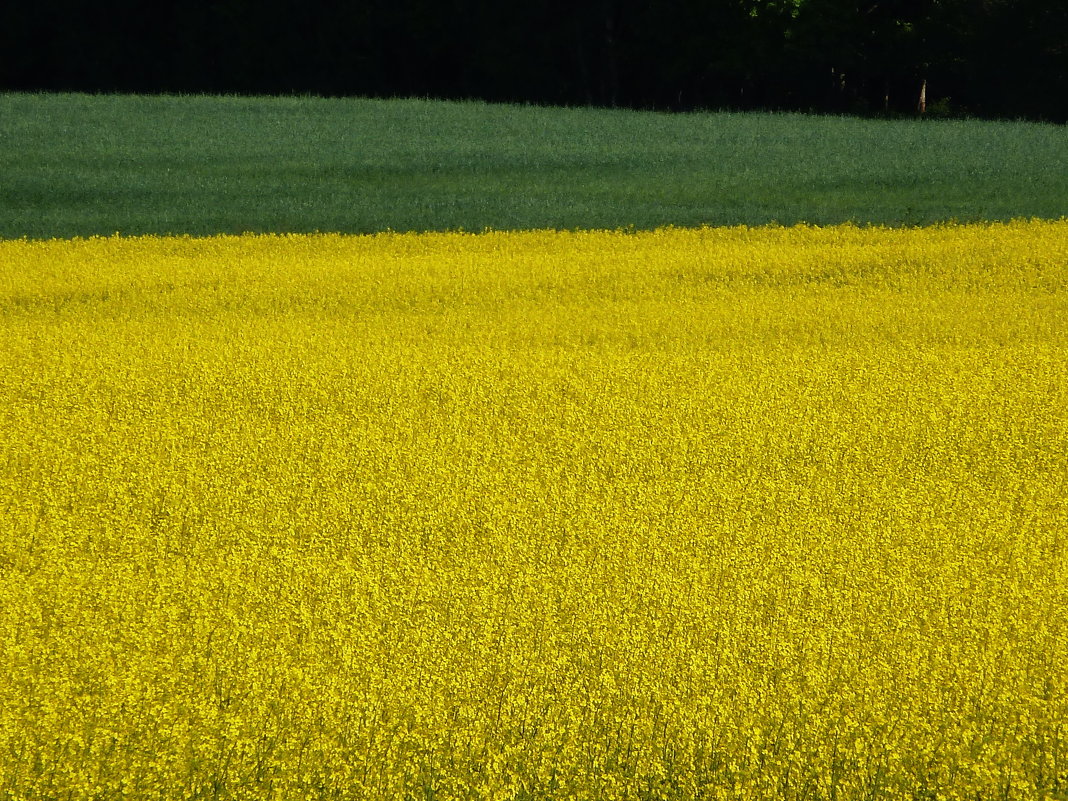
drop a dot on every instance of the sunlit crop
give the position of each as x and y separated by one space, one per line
773 513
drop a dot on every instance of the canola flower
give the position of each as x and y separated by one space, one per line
741 513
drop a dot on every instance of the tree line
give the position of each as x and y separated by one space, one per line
985 58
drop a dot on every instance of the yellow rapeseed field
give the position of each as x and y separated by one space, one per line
771 513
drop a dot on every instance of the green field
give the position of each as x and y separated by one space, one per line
81 165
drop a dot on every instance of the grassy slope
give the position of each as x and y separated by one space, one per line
79 165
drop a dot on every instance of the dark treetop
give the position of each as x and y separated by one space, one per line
988 58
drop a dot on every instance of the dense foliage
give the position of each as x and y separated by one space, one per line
983 57
738 514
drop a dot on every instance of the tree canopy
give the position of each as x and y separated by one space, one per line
988 58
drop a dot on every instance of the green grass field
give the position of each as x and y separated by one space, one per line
81 165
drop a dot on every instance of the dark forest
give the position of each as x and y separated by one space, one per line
980 58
